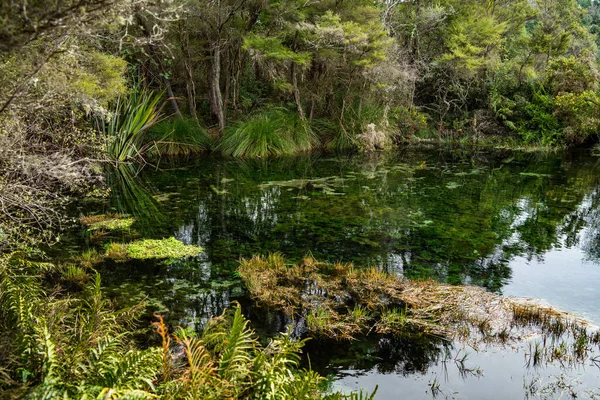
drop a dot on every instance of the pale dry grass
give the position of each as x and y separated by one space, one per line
343 302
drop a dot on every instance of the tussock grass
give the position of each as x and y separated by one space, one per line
343 302
178 137
272 133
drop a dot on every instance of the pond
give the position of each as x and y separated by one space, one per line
520 224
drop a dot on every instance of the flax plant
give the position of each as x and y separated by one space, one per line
125 127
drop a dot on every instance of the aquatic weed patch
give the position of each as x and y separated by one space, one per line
341 301
108 222
146 249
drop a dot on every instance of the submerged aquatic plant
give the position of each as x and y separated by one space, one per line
168 249
275 132
106 222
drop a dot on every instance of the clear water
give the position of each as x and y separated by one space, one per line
522 224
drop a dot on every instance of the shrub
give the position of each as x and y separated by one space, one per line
580 112
408 120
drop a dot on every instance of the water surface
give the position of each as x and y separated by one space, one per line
522 224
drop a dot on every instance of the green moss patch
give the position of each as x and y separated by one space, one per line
146 249
107 222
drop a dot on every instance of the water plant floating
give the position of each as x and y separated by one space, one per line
110 222
162 249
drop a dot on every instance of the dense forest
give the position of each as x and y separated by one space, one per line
90 83
117 79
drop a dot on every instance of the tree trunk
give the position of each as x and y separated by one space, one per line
227 79
297 93
171 98
237 77
190 85
216 98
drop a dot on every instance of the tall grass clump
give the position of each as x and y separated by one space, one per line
125 127
275 132
178 137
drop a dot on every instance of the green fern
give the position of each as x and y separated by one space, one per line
80 348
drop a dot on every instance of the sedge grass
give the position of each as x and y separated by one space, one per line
178 137
271 133
344 302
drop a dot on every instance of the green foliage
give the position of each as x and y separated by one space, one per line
124 128
275 132
530 113
580 113
228 362
537 121
572 75
168 249
102 79
67 347
106 222
471 36
79 347
178 137
408 120
272 49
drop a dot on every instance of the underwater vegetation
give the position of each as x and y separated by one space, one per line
106 222
145 249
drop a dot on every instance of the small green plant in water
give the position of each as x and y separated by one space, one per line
169 249
107 222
